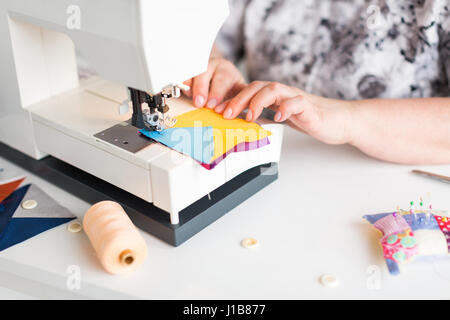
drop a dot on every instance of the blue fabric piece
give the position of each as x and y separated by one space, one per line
21 229
393 267
196 142
9 206
419 221
16 230
375 217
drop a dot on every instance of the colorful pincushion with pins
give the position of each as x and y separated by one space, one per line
410 234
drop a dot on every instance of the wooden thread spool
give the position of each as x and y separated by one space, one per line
117 242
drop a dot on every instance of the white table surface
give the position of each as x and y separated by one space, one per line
309 223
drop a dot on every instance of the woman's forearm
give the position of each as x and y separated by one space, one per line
410 131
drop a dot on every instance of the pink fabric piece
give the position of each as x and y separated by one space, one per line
392 224
245 146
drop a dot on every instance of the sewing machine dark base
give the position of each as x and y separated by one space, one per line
145 215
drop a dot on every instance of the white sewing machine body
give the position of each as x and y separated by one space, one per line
46 110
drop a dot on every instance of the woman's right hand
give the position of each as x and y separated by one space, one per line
220 82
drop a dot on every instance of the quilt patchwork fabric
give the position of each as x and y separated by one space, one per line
409 234
218 138
19 222
8 187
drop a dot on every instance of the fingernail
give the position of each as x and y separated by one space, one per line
212 103
228 113
199 101
277 117
249 115
220 108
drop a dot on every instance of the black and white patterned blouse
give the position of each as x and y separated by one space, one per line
348 49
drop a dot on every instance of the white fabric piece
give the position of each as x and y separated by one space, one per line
431 242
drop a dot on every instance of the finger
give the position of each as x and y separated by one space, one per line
288 122
241 100
200 86
238 87
221 84
307 117
188 93
221 107
272 94
200 89
288 108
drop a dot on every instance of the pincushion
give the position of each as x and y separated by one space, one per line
409 234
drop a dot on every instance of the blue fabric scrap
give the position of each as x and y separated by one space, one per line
16 230
196 142
392 267
10 204
21 229
418 221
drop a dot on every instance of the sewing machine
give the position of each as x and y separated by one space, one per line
81 134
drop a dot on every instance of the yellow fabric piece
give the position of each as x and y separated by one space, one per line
227 133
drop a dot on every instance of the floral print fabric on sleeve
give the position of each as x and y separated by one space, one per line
344 49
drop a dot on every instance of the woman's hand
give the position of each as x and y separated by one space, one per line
221 81
327 120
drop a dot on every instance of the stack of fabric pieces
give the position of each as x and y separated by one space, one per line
407 235
208 138
26 212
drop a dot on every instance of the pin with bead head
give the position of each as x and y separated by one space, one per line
411 210
421 208
397 212
430 212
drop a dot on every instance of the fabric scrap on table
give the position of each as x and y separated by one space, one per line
18 224
6 188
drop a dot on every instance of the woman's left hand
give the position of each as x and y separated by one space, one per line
327 120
